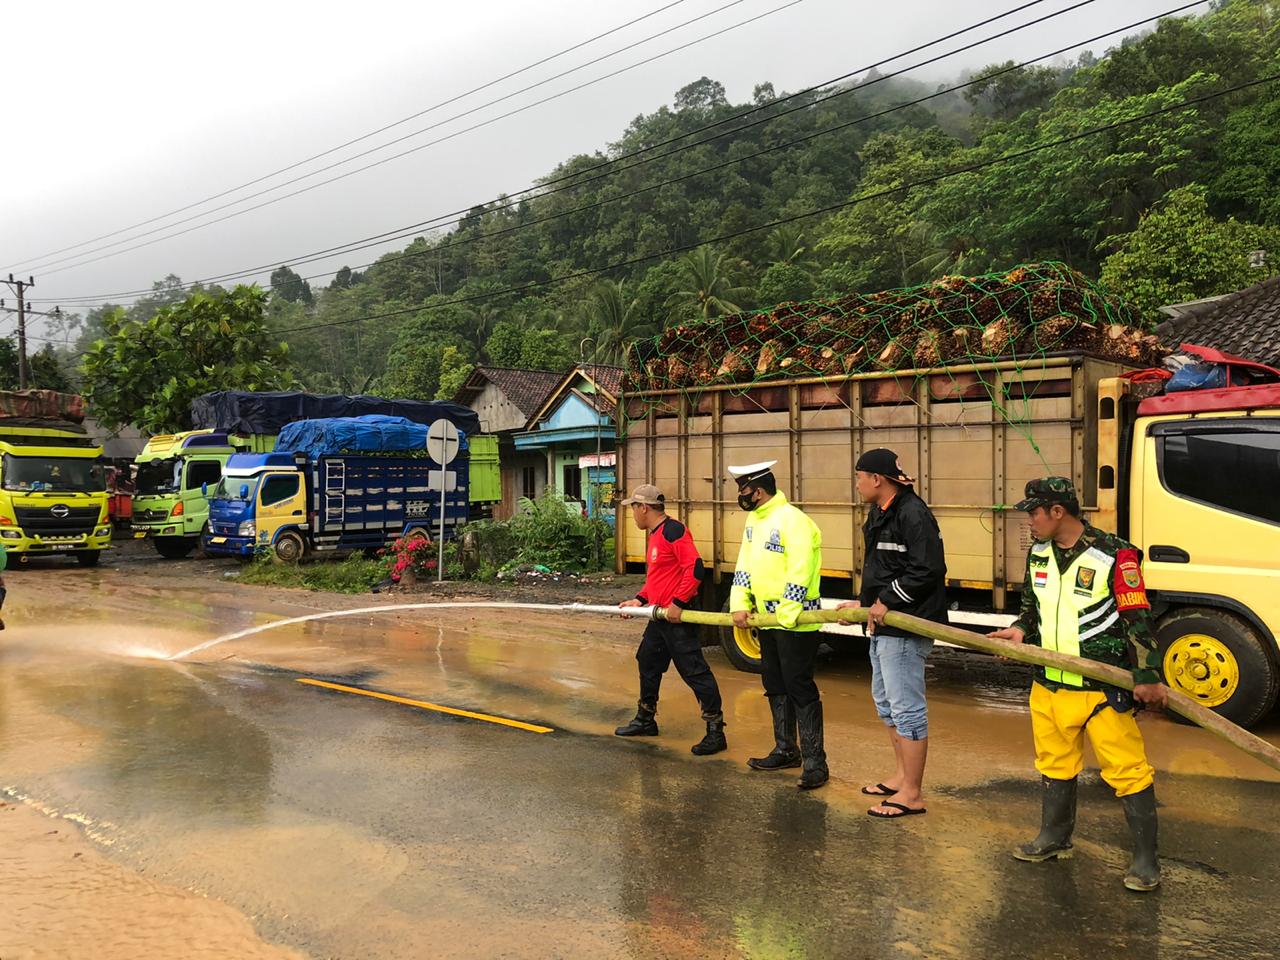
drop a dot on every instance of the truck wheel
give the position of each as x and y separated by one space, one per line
173 548
89 558
1220 661
742 647
289 547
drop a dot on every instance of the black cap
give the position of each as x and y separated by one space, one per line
884 462
1047 491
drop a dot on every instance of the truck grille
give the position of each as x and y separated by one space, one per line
151 516
44 522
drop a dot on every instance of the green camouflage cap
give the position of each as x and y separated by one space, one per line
1047 491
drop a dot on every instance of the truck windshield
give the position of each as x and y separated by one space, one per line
158 477
229 488
65 474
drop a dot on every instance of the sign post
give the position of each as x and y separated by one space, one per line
442 447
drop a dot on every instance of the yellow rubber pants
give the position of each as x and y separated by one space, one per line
1061 718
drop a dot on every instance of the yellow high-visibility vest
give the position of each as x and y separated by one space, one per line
1075 604
779 564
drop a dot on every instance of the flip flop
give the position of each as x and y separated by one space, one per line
879 790
906 811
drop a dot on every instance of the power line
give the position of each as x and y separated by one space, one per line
366 136
477 126
577 179
832 208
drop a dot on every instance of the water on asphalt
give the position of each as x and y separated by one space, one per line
346 826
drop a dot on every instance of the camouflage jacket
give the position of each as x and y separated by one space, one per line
1131 641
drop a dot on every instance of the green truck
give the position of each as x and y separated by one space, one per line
169 505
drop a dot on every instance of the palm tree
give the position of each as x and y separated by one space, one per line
710 291
942 254
614 320
787 244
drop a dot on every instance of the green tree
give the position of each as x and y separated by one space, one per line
1180 252
146 373
708 286
290 287
614 320
1013 91
45 366
454 370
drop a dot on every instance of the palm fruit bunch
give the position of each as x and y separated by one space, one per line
1031 310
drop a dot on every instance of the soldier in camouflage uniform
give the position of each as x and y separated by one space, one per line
1084 595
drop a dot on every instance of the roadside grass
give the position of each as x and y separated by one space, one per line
354 574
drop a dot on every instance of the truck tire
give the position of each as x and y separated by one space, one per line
88 558
1219 660
742 647
289 547
174 548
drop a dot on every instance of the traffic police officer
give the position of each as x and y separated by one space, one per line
1084 595
778 572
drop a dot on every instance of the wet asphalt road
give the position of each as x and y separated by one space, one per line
347 826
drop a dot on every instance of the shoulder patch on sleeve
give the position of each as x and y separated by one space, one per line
1130 590
673 530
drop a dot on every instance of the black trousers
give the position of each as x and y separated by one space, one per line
664 643
787 661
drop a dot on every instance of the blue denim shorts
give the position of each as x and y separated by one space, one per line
897 683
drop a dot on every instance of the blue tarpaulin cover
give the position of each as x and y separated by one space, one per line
371 434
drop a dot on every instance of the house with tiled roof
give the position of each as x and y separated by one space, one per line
1245 323
575 431
505 398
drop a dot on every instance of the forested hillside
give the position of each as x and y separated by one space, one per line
1163 209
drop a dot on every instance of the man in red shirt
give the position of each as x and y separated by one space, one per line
673 576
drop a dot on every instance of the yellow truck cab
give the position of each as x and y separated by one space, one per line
53 491
1193 478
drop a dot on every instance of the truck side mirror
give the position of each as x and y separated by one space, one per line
204 489
244 491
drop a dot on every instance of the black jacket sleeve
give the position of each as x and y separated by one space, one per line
926 567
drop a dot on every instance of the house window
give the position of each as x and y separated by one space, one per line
528 482
572 482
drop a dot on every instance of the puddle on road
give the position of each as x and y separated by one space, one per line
366 829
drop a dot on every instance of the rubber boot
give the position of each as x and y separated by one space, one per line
1140 813
714 741
643 725
811 746
1057 823
785 753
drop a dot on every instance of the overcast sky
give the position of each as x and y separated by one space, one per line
119 113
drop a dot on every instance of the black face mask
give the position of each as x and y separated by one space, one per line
745 499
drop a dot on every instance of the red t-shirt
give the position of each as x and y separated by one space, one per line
673 569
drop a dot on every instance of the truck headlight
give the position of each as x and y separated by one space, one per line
248 529
102 532
11 534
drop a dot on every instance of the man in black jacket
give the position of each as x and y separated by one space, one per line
904 571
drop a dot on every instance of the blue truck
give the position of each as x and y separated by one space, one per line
336 485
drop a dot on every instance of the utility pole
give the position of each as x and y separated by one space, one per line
24 373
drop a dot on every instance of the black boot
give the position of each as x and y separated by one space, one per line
1057 823
815 757
1144 868
714 741
784 753
643 725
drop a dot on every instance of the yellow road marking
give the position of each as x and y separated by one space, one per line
454 711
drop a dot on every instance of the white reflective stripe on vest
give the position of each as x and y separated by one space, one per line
1071 603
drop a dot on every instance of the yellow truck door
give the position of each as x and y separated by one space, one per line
1206 511
281 504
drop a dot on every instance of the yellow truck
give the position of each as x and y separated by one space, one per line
53 492
1192 478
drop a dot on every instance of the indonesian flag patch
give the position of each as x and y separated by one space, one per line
1040 579
1130 591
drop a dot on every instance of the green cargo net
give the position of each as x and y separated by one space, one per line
1024 316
